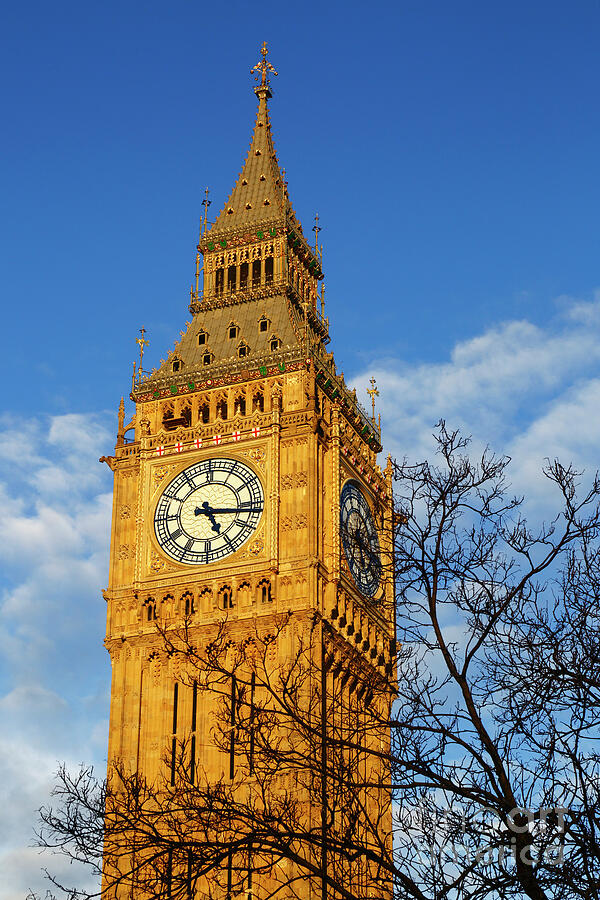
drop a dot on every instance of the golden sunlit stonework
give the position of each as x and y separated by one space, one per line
246 489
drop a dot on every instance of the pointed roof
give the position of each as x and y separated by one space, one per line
259 195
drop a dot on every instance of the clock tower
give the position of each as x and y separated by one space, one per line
246 485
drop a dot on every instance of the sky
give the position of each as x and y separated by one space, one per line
451 151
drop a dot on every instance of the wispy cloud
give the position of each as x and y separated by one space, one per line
526 390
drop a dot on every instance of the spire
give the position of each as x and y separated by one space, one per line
259 196
264 67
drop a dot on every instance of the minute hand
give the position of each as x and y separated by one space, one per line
229 509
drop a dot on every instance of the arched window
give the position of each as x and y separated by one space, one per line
188 598
219 280
264 588
256 273
150 605
243 593
231 273
258 402
222 408
226 597
269 270
205 598
204 412
243 276
239 405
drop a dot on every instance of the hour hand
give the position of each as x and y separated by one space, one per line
209 512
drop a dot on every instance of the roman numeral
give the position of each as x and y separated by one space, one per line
242 524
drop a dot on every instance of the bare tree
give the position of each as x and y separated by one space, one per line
491 751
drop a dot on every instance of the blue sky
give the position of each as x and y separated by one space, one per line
451 151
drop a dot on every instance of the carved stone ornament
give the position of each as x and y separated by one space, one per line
125 510
256 547
293 480
157 564
155 670
258 455
160 472
124 551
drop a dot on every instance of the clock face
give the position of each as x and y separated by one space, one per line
208 511
359 539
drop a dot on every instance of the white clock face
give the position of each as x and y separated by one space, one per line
208 511
359 539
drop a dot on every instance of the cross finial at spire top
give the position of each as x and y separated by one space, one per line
263 68
373 392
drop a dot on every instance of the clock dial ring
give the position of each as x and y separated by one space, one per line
359 539
208 511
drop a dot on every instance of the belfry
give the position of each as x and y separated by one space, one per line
246 492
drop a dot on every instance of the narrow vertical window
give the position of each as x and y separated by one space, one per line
169 874
243 276
231 273
174 738
269 270
250 869
256 273
229 873
188 879
173 759
232 733
252 690
194 705
219 281
193 747
175 701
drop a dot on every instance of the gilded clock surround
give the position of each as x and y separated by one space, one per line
289 416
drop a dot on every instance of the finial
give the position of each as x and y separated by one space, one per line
143 343
317 229
373 392
205 203
264 67
121 425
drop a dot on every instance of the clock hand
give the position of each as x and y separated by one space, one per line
207 511
235 509
360 545
227 509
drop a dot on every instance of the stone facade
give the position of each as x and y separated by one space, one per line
285 412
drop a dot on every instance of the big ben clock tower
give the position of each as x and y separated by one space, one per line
246 485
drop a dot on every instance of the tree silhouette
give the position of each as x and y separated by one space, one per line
471 772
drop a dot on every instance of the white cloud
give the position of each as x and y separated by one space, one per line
526 390
54 673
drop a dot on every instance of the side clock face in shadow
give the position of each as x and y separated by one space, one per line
208 511
359 539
